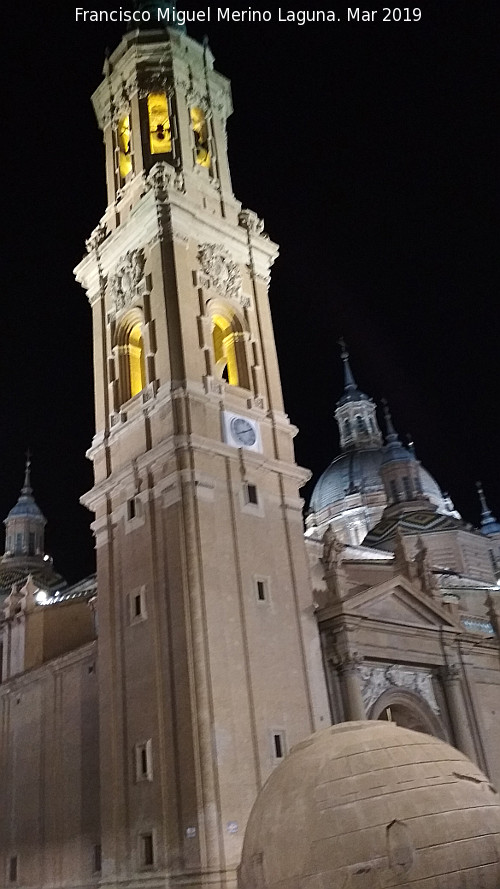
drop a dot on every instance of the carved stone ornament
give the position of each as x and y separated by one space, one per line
163 176
194 99
376 680
348 661
249 220
97 236
219 271
126 283
333 550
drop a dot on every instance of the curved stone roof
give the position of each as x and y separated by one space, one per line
359 470
369 804
25 508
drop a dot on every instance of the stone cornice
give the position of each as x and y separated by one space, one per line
55 665
186 222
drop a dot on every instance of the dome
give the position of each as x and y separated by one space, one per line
367 805
359 470
25 508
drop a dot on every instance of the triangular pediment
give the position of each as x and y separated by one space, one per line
397 601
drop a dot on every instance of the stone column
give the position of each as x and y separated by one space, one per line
349 671
458 711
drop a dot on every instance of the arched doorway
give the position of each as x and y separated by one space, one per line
408 710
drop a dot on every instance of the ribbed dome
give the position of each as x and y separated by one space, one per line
358 470
369 804
25 508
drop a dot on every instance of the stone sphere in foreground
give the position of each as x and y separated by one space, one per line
369 805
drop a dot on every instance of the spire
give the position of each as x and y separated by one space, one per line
391 434
26 510
349 382
488 522
26 489
399 468
24 541
355 413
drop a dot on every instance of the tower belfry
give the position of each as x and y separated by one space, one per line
209 665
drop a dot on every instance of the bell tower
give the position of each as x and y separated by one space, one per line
209 662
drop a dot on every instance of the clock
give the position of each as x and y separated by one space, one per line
241 432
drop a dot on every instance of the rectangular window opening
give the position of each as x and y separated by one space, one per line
251 494
279 746
261 590
97 858
131 509
147 852
13 869
143 762
137 606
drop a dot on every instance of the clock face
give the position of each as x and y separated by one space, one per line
243 431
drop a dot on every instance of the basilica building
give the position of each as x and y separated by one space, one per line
144 708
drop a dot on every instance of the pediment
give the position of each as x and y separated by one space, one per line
396 601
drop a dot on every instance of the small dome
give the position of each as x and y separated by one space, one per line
358 470
25 508
369 804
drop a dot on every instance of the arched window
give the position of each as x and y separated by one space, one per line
131 356
200 130
136 364
160 139
229 347
124 155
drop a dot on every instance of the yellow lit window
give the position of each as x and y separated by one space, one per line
137 369
200 130
225 349
125 159
159 124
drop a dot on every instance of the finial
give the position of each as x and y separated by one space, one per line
106 68
27 489
485 512
349 382
343 345
391 433
489 524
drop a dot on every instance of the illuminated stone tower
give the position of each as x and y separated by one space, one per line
209 666
25 543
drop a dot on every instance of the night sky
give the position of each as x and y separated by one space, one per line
370 150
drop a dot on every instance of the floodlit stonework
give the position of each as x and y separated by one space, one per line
144 709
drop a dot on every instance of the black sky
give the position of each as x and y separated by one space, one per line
370 150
